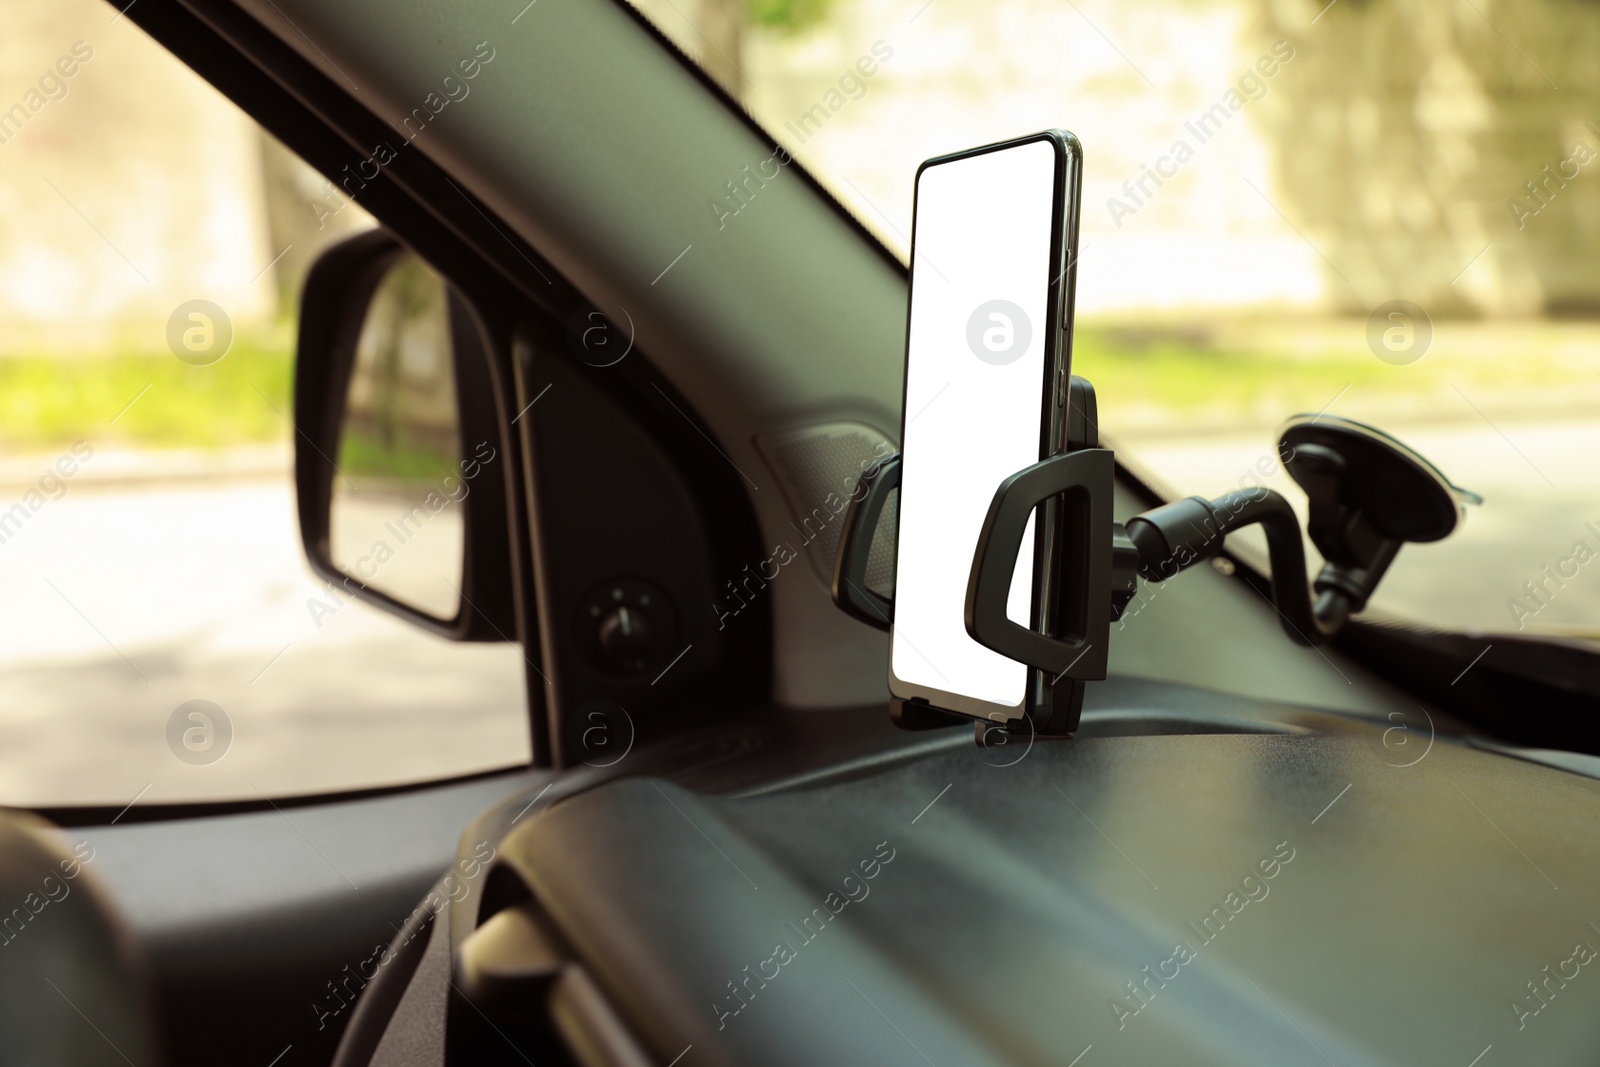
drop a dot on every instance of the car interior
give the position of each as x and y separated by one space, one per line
664 424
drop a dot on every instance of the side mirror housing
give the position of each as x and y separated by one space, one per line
401 472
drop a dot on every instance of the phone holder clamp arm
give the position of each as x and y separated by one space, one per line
849 586
1083 482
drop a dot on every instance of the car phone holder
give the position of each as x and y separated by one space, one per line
1368 494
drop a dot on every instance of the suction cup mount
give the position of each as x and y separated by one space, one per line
1367 494
1364 485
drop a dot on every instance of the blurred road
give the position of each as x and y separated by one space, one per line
124 602
126 598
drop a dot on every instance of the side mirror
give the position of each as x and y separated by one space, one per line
400 466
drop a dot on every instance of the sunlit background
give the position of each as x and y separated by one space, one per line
1262 178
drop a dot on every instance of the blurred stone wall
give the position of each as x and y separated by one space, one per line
1124 76
1376 162
132 186
139 188
1408 137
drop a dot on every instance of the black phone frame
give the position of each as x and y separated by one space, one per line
1060 296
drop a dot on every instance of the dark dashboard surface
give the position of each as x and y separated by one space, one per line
1196 878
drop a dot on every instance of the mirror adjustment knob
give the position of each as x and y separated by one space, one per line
624 634
626 628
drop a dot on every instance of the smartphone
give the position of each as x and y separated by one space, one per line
988 361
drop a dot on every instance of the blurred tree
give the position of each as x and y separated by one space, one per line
788 16
723 24
297 201
1407 133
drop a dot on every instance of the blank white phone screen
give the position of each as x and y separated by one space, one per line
973 405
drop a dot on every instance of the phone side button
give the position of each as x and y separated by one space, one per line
1063 286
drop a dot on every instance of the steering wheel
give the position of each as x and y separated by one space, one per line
70 988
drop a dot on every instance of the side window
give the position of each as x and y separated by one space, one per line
164 639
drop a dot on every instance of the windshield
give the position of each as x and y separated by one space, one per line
1381 211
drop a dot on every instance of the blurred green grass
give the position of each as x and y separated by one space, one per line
406 465
47 401
1170 378
1161 377
1171 372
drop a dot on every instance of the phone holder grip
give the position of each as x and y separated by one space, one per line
1078 651
849 586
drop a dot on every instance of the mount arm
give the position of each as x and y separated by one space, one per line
1176 536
